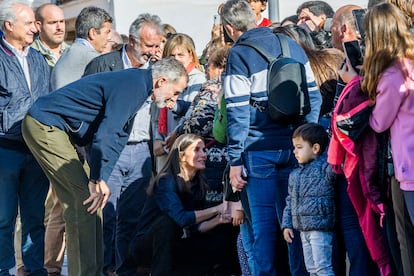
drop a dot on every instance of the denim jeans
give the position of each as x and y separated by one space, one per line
22 185
268 173
247 244
350 234
128 182
317 250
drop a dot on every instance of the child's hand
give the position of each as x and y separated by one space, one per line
288 235
238 217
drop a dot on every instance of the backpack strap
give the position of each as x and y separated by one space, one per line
284 46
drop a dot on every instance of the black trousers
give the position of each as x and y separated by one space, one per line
163 249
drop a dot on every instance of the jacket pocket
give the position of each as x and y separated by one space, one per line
5 97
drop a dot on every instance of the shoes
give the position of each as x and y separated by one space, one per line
110 271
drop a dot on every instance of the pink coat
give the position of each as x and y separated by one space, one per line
394 110
359 167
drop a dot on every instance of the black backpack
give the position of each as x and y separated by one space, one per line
288 96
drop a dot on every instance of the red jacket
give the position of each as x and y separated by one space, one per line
359 160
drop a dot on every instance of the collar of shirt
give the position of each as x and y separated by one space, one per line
20 54
127 61
125 58
45 51
84 42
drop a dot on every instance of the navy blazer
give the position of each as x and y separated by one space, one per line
108 62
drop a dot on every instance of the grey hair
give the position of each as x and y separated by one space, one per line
142 20
7 13
169 68
239 14
90 17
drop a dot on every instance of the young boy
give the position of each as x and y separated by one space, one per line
310 203
258 7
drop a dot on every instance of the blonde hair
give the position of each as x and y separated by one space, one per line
184 41
388 38
407 7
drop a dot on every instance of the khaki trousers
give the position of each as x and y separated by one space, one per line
57 156
54 236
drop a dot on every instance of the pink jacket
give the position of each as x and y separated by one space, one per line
394 110
359 165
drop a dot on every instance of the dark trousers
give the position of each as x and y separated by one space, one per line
163 249
404 227
349 236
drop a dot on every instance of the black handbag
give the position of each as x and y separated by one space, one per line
228 193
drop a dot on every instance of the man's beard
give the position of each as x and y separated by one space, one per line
160 102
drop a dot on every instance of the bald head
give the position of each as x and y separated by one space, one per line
343 26
50 22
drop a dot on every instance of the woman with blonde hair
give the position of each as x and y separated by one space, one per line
388 80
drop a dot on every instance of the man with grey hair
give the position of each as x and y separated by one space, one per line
262 146
129 189
96 110
93 31
24 77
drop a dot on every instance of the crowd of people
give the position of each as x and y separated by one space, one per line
137 157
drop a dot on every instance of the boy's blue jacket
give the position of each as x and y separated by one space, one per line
310 204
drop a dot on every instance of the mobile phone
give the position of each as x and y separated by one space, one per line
359 21
227 38
216 19
353 52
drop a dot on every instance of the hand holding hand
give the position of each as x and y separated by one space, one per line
238 217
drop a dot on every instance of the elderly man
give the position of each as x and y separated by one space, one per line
24 77
129 189
257 143
96 110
